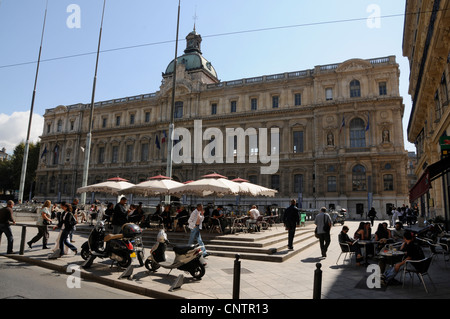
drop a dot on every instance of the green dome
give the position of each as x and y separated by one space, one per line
192 58
193 61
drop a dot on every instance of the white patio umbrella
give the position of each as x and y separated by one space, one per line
209 185
154 186
114 186
254 189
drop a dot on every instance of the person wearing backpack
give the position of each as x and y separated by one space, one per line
323 223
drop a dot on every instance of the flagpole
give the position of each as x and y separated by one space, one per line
172 107
27 143
87 151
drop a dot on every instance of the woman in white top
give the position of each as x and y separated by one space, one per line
44 219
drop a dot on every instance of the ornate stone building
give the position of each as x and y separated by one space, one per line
426 43
340 133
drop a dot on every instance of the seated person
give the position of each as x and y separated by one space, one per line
398 232
167 219
254 214
93 212
359 233
413 252
217 216
181 218
344 238
382 235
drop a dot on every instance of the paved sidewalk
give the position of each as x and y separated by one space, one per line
292 279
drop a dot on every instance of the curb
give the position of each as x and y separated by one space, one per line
122 285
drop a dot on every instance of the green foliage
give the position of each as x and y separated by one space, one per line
10 170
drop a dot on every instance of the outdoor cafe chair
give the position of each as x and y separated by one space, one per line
345 249
418 267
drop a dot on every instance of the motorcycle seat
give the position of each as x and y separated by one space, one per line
181 250
112 236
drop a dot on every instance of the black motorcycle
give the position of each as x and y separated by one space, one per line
118 247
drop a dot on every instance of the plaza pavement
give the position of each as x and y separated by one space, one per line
291 279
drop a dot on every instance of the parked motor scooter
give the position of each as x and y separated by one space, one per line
187 258
117 247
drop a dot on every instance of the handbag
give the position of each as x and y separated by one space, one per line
326 227
315 233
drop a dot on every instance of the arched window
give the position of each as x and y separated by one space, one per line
359 178
357 133
355 88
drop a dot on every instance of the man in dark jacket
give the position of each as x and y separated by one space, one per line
120 215
6 218
291 219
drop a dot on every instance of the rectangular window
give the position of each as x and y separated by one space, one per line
115 154
214 109
329 94
298 141
178 110
297 99
118 120
132 117
101 155
298 183
104 122
144 152
147 117
275 101
129 157
233 106
331 184
275 182
254 104
388 182
382 88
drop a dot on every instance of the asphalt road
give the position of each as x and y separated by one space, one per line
23 281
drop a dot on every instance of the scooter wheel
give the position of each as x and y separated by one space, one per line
151 265
125 262
198 272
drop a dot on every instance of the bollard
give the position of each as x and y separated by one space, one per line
236 277
317 282
22 239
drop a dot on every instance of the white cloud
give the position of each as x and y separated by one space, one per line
14 128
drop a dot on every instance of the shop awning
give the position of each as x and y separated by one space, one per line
433 171
421 187
439 168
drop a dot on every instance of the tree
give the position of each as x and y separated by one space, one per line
16 167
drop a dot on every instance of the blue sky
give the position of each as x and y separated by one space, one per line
151 26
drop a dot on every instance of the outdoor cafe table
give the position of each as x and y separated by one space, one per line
365 243
392 256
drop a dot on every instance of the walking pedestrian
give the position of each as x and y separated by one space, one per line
195 225
291 219
372 215
323 223
44 219
67 225
6 218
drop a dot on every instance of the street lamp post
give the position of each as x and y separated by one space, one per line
27 142
172 107
87 150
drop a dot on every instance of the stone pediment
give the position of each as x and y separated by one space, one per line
353 65
61 109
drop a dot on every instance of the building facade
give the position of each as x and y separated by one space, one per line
426 43
340 139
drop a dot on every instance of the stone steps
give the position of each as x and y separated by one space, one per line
268 245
